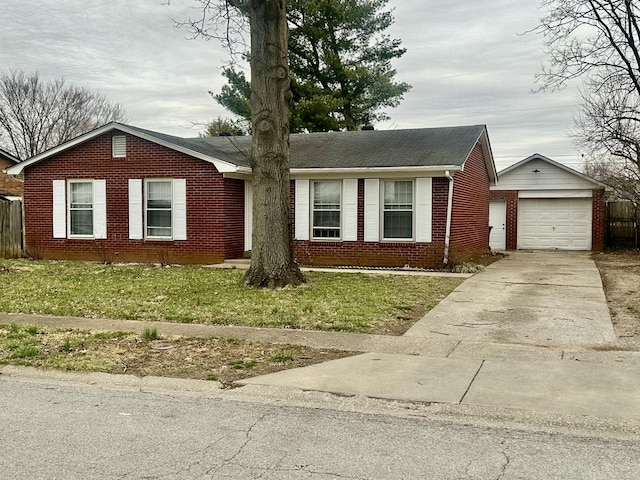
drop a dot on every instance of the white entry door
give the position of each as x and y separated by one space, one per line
554 223
498 221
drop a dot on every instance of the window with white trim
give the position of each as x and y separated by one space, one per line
398 206
158 208
327 200
80 208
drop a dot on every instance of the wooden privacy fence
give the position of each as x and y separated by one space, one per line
621 225
10 229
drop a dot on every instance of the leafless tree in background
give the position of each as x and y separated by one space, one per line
36 115
598 41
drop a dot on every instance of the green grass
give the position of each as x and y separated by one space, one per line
150 334
329 301
281 356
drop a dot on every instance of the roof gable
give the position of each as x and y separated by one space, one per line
539 172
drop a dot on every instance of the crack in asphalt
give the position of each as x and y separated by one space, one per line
507 461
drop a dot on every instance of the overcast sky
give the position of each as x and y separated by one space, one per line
465 59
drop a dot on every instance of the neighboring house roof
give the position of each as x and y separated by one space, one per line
537 156
10 188
435 149
6 155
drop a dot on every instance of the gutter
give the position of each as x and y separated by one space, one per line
447 234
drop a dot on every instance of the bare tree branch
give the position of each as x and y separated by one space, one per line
36 115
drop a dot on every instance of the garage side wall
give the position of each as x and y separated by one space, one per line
510 197
598 222
470 213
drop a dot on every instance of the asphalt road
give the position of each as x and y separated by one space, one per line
54 430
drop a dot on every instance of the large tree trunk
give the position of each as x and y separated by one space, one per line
272 262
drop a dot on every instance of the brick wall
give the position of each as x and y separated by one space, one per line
470 212
598 221
211 202
9 185
511 200
393 254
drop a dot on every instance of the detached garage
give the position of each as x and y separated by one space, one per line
540 204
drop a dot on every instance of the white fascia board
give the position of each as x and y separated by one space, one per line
373 172
17 169
559 193
221 166
240 173
483 140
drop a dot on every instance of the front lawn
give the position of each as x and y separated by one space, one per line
329 301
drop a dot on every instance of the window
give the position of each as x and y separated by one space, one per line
326 209
81 208
159 201
398 210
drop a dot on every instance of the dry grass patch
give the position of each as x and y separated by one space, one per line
218 359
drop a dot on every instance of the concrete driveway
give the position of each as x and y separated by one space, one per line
552 299
510 332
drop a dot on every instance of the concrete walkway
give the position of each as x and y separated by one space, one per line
531 332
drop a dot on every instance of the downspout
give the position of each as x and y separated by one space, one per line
447 234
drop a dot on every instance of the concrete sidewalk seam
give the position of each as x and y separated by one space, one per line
471 382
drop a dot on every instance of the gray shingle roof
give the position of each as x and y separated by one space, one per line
446 146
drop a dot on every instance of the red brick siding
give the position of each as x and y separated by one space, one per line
9 185
210 200
470 212
511 224
598 221
361 253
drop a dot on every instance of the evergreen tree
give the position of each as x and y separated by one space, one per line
340 66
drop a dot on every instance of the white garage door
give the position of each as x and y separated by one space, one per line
554 223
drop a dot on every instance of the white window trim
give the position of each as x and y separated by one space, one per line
413 210
93 203
62 209
312 211
147 181
138 209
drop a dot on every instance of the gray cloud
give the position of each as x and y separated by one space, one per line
465 59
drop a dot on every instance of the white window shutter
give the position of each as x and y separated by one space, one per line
372 210
350 209
100 209
59 209
179 209
302 210
248 215
424 208
135 209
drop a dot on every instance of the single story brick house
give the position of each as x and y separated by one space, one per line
415 197
10 187
541 204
